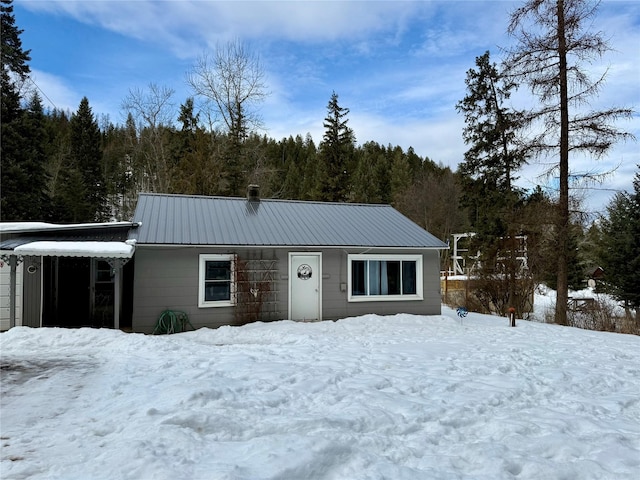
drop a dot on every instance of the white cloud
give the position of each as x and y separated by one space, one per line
438 139
54 91
187 27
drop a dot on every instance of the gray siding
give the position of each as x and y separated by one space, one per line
335 302
32 300
167 278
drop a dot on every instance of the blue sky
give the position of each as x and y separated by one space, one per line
398 66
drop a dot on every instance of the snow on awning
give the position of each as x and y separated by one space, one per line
77 249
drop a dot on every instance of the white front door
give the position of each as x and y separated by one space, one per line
305 286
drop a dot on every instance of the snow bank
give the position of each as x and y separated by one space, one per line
399 397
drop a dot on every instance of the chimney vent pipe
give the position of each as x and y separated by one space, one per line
253 193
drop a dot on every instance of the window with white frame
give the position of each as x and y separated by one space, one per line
217 280
385 277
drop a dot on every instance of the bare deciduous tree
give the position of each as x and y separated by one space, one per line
433 202
553 44
233 79
153 112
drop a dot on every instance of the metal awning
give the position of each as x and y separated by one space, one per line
103 241
77 249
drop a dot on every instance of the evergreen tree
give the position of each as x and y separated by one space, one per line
400 173
620 247
118 172
25 180
336 154
490 163
576 265
35 129
191 152
415 162
16 182
188 118
492 160
590 247
14 58
382 177
490 127
81 195
308 170
488 172
576 269
292 181
293 160
58 152
366 188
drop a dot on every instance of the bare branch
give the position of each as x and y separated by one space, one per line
232 79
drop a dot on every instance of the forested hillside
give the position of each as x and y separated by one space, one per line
83 171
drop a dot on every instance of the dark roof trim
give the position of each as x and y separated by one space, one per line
25 227
303 248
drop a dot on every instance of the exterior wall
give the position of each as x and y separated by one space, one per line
32 306
335 284
28 295
167 278
5 298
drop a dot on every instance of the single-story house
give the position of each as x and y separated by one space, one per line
229 261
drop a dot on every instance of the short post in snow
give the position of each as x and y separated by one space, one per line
512 316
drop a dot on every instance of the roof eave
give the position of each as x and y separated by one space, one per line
24 227
321 247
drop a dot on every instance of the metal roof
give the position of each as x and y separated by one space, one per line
196 220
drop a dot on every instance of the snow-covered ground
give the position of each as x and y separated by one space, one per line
398 397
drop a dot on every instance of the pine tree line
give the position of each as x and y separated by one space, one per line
78 171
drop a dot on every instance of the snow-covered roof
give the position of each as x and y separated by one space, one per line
77 249
99 240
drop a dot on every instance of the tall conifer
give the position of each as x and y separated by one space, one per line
81 194
16 183
336 153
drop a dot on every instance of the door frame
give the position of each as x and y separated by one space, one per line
319 276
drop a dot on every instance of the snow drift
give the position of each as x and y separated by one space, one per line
399 397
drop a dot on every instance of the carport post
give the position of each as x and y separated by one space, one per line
116 295
117 264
